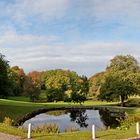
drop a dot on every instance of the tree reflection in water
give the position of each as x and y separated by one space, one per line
111 119
80 117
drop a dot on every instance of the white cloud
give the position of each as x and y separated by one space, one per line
83 58
34 52
11 38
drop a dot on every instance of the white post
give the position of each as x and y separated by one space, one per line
137 128
29 130
93 132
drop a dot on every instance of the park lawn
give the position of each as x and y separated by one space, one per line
20 102
17 109
19 98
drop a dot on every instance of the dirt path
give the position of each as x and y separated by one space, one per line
4 136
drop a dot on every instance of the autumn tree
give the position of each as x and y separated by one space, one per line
95 83
35 76
31 89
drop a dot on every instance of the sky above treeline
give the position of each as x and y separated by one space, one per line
80 35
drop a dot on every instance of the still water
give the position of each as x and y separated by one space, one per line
78 119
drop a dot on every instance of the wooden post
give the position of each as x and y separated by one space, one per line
93 132
137 128
29 130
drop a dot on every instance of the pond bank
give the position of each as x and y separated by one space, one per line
120 114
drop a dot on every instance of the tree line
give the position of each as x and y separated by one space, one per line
120 80
59 85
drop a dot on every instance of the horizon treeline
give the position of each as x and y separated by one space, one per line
120 80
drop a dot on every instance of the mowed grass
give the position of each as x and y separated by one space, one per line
17 107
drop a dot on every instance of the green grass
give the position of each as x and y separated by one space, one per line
81 135
16 109
19 98
107 135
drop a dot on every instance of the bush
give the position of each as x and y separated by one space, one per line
8 121
125 124
71 129
133 102
49 128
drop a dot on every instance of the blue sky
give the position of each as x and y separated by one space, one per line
81 35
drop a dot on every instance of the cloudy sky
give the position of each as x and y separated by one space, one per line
81 35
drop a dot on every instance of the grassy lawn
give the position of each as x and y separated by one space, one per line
81 135
16 109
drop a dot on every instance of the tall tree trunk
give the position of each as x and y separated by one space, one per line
122 100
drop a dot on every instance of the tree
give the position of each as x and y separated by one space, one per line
54 94
116 87
118 81
121 63
80 90
135 79
58 82
95 82
5 87
32 89
17 77
36 77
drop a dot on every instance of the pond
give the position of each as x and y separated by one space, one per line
81 119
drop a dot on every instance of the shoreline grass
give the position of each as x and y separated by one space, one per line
78 135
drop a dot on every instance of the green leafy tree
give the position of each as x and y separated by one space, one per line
118 82
135 79
121 63
80 90
116 87
58 82
17 77
5 87
54 94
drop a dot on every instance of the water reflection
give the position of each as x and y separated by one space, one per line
109 120
79 119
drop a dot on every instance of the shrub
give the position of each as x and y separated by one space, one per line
49 128
71 129
125 124
133 102
8 121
